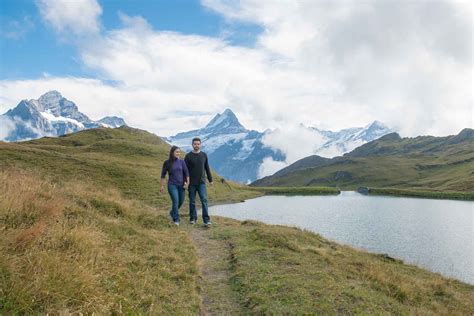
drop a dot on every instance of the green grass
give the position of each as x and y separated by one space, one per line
297 190
424 194
126 159
379 172
83 229
283 270
428 163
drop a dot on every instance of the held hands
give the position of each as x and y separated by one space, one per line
185 186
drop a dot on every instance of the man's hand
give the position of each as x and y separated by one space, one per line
162 189
186 185
211 183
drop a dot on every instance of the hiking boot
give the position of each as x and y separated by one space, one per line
176 223
192 222
209 223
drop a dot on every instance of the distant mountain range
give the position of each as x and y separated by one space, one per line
238 153
428 162
50 115
235 152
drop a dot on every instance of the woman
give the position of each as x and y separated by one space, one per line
178 181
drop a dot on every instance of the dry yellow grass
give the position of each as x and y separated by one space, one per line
78 248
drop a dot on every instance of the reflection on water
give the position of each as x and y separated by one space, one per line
435 234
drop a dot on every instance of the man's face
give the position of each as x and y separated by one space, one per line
196 145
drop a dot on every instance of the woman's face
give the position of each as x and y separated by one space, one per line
177 152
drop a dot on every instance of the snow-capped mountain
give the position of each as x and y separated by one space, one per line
112 121
234 152
50 115
343 141
237 153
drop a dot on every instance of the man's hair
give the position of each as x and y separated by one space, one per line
196 139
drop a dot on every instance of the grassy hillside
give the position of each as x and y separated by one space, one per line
84 230
125 158
284 270
77 248
426 162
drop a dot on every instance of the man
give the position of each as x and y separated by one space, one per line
198 167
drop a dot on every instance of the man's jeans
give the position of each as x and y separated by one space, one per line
177 198
201 190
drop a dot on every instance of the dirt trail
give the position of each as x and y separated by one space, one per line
218 298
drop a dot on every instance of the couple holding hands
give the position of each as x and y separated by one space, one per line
190 174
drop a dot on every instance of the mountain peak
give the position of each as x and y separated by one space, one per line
377 124
112 121
51 94
51 115
465 135
228 111
54 102
50 99
226 119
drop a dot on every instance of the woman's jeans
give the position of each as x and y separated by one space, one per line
177 198
201 190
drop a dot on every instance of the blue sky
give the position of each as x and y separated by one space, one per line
30 47
169 66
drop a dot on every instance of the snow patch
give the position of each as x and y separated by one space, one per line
212 143
246 149
52 118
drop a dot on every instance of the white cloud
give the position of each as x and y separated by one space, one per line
6 126
78 16
327 64
140 107
402 62
294 141
270 166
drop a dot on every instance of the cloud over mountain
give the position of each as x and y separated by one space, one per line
327 64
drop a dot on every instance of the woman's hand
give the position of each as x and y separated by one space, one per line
162 185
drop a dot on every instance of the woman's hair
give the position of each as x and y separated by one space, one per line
171 158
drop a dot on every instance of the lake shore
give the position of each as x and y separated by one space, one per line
421 193
281 269
346 219
464 196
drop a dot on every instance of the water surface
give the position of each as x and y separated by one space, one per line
434 234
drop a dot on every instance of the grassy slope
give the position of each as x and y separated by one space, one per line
428 163
83 228
78 248
284 270
127 159
85 211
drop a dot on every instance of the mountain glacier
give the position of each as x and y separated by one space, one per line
234 152
50 115
239 154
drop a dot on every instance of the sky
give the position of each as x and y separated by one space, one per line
170 66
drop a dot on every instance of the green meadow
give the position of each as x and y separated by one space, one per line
84 229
